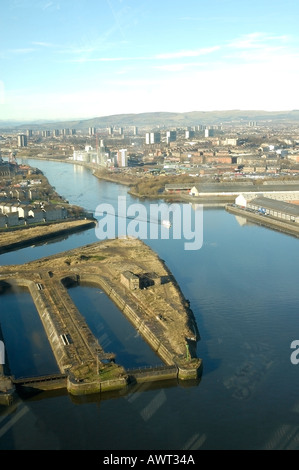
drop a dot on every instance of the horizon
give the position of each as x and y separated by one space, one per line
71 60
44 121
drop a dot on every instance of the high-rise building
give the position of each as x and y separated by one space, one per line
135 130
152 138
92 131
22 140
122 159
29 133
209 132
189 134
170 136
55 133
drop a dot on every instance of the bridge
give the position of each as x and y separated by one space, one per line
43 382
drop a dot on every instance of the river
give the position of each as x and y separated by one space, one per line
242 284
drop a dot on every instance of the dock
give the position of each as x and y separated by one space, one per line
142 287
283 226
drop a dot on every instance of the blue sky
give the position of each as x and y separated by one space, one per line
70 59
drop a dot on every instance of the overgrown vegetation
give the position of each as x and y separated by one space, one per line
154 186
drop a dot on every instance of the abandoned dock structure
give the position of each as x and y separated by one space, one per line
141 286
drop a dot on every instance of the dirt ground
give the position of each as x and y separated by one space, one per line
30 235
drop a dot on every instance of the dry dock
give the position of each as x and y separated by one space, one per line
144 290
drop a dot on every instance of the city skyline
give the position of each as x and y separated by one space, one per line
79 60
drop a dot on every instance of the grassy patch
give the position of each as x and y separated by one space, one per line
98 257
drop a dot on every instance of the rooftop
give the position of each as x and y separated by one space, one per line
267 203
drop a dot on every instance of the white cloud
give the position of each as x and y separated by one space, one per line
43 44
47 5
102 59
256 40
256 71
163 56
188 53
21 51
179 67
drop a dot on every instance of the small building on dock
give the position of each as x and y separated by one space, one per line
140 281
130 280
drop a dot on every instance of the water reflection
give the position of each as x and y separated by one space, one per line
114 332
26 344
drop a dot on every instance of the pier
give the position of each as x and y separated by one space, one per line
274 223
143 289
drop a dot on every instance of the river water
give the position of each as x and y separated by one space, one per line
243 289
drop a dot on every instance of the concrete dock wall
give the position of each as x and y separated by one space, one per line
286 227
77 388
52 327
152 374
128 310
49 321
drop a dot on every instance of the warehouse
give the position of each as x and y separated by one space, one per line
282 210
283 192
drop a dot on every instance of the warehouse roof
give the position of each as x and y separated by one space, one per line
244 187
267 203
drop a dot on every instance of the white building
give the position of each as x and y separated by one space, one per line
242 200
152 138
122 158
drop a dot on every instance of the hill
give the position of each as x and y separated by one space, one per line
167 119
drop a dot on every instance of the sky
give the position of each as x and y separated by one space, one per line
79 59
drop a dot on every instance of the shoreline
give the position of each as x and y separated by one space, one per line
213 202
102 174
289 228
25 237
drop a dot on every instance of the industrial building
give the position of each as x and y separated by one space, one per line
283 192
279 209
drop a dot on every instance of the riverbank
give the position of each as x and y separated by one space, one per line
152 187
267 221
20 238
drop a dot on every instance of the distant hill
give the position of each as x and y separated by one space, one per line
160 119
